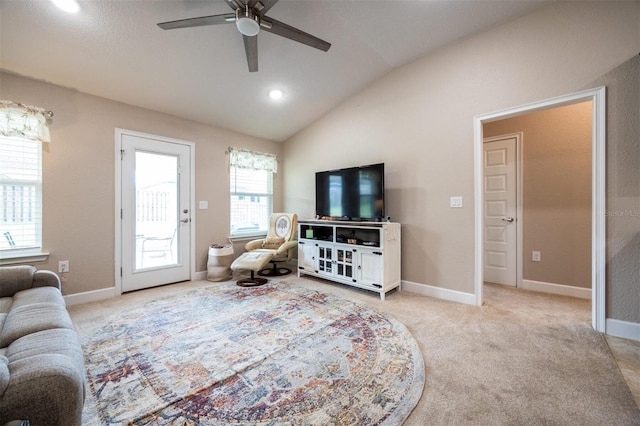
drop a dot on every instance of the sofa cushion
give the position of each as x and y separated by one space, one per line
38 295
4 373
5 305
59 341
31 318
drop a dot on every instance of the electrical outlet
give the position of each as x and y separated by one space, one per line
63 266
535 256
455 202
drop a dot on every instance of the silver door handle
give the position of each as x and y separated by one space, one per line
185 220
507 219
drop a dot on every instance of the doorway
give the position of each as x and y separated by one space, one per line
597 97
154 203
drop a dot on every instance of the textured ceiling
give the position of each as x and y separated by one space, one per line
113 49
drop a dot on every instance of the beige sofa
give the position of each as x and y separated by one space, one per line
42 375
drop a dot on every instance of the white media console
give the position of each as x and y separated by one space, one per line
360 254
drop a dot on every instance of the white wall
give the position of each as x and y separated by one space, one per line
79 176
419 121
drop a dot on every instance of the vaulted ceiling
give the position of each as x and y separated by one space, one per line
114 49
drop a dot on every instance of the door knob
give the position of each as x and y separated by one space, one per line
507 219
185 220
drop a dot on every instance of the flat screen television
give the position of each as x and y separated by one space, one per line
354 193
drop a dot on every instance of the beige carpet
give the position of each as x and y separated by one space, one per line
521 359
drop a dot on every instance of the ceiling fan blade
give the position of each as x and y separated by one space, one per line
261 10
225 18
251 49
284 30
233 4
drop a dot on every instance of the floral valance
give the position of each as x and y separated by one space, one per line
24 121
245 159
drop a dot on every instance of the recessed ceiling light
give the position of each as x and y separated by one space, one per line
276 94
70 6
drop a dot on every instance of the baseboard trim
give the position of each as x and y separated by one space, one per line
439 292
624 329
202 275
559 289
90 296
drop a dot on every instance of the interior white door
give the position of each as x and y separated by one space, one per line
500 209
155 214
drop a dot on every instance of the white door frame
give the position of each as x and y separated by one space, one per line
598 191
118 201
519 232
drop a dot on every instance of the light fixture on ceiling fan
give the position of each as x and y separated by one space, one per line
247 21
249 16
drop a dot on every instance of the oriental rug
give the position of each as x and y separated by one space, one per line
270 355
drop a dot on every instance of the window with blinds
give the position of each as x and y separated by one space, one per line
251 201
20 194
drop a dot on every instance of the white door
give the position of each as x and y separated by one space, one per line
155 211
500 221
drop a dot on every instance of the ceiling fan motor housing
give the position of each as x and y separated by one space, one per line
247 21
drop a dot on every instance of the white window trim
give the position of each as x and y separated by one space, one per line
23 256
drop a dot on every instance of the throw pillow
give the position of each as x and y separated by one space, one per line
272 243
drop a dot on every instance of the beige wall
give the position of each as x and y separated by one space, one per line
556 191
79 176
623 190
419 121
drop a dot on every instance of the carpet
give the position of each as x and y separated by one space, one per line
276 354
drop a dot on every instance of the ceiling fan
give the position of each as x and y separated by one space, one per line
249 17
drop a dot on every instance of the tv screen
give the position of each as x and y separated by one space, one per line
355 193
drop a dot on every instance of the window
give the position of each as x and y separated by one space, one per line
251 190
22 129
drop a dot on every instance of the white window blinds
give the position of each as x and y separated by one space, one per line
22 129
251 190
20 194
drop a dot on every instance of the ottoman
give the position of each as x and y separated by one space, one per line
251 261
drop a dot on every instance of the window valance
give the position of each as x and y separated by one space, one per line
245 159
24 121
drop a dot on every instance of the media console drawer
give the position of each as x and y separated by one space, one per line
360 254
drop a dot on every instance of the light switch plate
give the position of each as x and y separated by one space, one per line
204 205
455 202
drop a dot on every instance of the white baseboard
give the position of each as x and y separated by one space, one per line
624 329
560 289
617 328
439 293
90 296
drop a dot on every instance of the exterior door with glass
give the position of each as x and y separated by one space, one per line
155 210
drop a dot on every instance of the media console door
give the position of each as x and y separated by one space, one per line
370 268
307 255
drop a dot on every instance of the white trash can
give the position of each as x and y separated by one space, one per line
218 265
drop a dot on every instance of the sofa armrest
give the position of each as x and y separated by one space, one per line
15 278
46 278
46 389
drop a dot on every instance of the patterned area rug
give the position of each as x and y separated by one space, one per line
276 354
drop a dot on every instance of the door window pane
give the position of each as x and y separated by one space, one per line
156 192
